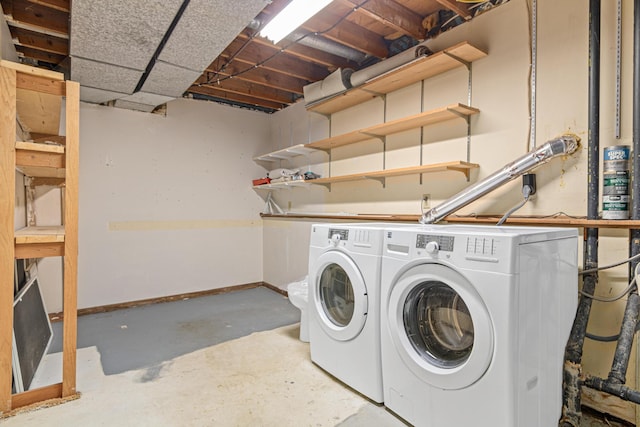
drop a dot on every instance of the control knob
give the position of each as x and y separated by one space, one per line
432 247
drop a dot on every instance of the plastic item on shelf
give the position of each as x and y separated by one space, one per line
261 181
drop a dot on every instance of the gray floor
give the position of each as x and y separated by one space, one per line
145 337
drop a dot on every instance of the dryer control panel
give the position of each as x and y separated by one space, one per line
444 243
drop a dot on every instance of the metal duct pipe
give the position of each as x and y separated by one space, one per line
566 144
320 43
361 76
328 46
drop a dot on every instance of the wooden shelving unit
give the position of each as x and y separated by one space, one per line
34 97
457 166
431 117
419 69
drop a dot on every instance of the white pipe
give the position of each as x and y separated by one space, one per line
566 144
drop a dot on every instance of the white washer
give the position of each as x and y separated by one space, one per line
474 323
344 304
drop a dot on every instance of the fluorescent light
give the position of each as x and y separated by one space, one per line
291 17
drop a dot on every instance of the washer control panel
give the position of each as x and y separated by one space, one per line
343 234
434 243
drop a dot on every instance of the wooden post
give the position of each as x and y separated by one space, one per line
7 212
70 302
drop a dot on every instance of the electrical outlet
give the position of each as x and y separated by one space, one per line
426 202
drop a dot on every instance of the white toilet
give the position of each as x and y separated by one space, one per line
299 297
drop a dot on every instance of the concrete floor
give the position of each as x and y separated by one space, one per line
223 360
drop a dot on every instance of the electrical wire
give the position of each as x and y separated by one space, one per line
606 267
626 290
526 192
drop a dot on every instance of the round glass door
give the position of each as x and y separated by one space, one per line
336 295
440 326
340 295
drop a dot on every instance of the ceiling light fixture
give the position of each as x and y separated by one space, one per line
291 17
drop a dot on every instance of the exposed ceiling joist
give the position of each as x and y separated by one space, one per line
251 71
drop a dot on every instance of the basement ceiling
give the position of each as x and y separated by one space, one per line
142 53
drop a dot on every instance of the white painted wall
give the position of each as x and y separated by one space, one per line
166 205
500 134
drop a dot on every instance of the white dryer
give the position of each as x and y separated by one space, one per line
344 304
474 323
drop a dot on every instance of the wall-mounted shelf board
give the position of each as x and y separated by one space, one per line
412 72
286 153
457 166
282 185
426 118
530 221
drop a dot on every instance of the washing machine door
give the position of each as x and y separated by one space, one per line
440 326
339 296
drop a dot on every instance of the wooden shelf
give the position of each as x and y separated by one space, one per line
40 160
286 153
40 234
457 166
530 221
426 118
283 185
412 72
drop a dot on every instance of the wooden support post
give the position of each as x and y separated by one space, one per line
70 302
7 201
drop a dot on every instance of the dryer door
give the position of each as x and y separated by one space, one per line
440 326
339 296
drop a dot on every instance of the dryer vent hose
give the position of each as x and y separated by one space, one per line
564 145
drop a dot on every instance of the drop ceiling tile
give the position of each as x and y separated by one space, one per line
134 106
98 96
121 32
104 76
147 98
169 80
206 29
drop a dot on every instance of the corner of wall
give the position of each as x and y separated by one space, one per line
7 50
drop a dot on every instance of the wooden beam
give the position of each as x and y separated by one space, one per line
391 14
258 75
43 42
7 201
234 97
254 90
317 56
269 58
53 391
70 275
459 8
40 84
39 16
39 159
39 55
39 250
61 5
